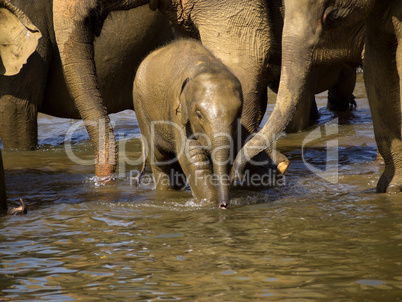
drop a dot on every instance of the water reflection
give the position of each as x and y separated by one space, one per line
311 240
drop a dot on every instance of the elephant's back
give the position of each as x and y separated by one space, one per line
180 59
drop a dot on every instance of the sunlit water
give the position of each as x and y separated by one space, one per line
323 236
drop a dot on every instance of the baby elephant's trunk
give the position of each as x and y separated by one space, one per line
221 147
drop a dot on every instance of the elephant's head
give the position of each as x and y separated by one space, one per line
18 38
309 25
211 105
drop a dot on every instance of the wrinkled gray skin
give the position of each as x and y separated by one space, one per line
127 37
244 34
319 24
18 40
185 85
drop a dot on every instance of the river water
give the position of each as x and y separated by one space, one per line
325 235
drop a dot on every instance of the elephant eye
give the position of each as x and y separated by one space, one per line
198 114
333 16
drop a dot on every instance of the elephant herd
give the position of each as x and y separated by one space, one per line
78 59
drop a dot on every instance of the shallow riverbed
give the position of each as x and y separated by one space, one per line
325 235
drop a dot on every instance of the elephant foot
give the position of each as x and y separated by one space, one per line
224 206
104 173
385 185
394 188
103 180
22 209
336 104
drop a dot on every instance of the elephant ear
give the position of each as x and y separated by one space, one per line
153 4
18 39
183 103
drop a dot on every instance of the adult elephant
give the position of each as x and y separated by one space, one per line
314 24
18 40
244 34
126 38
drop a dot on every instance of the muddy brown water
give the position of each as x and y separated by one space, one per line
324 235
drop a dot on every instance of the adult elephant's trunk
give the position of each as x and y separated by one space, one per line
221 150
297 49
243 36
75 23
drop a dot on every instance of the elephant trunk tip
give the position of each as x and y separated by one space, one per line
224 205
282 166
223 197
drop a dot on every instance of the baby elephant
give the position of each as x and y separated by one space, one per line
188 104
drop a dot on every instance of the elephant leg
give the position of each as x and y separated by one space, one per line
20 97
161 170
18 123
340 96
305 110
166 171
161 177
3 197
383 90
